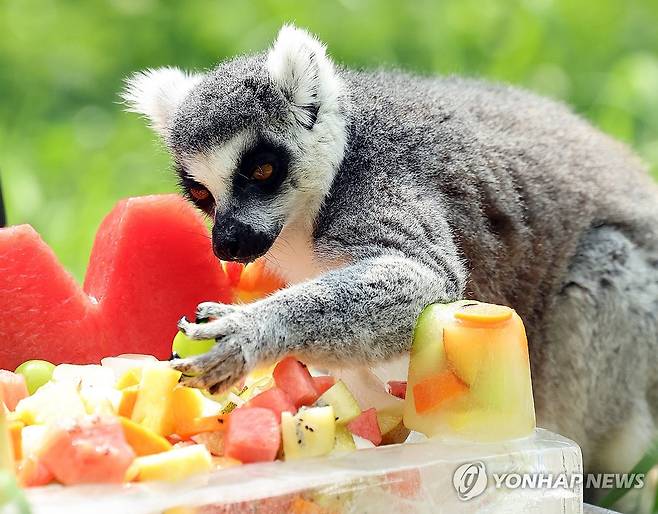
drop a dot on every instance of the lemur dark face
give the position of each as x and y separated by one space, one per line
255 142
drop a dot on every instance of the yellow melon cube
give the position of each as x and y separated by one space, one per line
173 465
154 406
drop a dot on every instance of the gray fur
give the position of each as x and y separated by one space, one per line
454 188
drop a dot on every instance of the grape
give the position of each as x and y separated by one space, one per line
185 347
36 373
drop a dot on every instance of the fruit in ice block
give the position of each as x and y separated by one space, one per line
367 426
12 388
176 464
274 399
346 408
36 373
469 374
94 450
252 435
309 433
142 440
154 406
293 377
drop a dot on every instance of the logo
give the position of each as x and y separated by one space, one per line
470 480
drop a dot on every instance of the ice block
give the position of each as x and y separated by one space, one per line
469 374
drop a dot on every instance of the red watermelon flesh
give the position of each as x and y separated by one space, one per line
45 314
274 399
252 435
293 377
322 383
152 262
92 451
365 425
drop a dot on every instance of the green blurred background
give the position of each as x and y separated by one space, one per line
68 152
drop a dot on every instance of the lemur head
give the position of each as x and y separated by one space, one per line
255 141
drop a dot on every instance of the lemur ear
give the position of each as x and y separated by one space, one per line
156 93
298 64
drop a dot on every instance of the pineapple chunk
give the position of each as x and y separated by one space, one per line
52 402
154 407
309 433
130 378
346 408
173 465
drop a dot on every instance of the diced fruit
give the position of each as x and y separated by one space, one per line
154 407
126 362
32 438
32 472
303 506
344 442
213 441
322 383
36 373
193 426
434 390
155 275
387 422
130 378
16 436
6 443
52 402
341 399
396 436
92 451
293 377
142 440
176 464
12 388
274 399
252 435
188 405
398 388
405 483
184 347
366 426
127 402
93 375
309 433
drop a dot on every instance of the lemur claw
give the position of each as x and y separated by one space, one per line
207 310
216 370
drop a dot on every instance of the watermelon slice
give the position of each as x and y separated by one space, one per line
293 377
92 451
252 435
397 388
365 425
151 264
274 399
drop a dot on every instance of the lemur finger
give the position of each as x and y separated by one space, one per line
207 310
210 330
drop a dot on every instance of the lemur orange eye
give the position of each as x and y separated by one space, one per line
262 172
199 193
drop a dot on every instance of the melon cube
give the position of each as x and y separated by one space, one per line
175 464
252 435
367 426
12 388
93 450
51 403
274 399
293 377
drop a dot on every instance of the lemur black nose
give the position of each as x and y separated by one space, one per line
236 241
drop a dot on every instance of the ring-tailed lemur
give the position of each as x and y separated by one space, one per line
377 193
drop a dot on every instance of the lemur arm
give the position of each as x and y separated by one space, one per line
361 313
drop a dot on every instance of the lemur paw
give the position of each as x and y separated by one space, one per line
227 361
207 310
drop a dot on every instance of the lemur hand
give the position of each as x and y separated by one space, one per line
234 332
